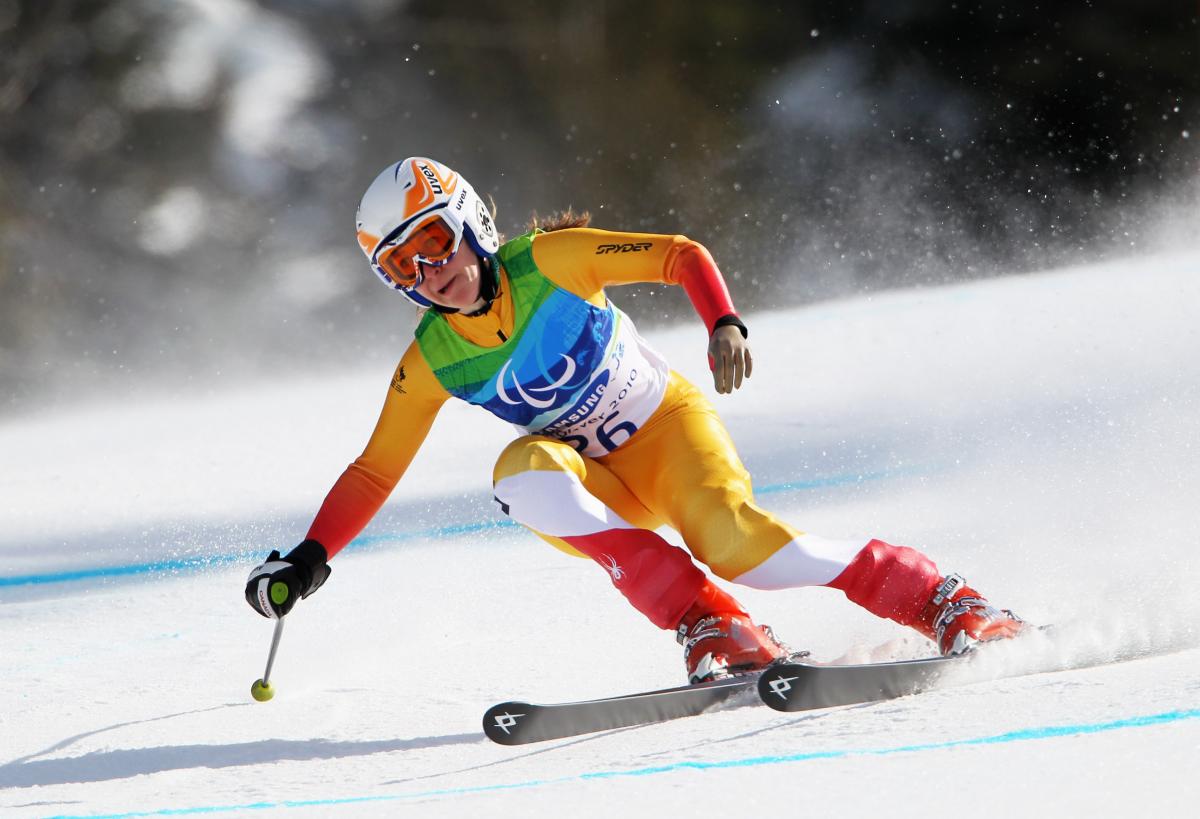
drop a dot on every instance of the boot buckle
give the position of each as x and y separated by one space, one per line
945 591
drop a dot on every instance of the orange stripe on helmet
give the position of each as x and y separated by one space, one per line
367 241
429 183
420 195
448 183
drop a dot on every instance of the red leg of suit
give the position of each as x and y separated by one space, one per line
890 581
659 579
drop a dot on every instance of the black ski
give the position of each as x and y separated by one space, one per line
803 686
516 723
785 686
800 686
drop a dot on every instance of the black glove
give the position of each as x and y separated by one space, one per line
276 585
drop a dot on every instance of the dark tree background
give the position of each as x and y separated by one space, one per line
178 179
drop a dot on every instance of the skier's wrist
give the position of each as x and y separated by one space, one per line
312 565
731 320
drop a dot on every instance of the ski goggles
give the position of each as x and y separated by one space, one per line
433 240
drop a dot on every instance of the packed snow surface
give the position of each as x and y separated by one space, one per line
1039 434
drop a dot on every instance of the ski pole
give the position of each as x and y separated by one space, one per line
261 690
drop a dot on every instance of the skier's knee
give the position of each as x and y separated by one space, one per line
535 452
730 534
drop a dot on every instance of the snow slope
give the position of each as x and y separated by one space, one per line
1038 434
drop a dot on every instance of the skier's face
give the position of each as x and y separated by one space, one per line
455 284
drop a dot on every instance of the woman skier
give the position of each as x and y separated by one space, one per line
618 444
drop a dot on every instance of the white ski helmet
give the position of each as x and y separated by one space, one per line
419 210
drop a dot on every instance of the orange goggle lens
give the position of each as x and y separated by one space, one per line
434 240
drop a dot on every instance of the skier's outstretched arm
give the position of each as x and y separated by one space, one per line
413 401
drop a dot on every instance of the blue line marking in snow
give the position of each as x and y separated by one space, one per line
156 567
192 564
1021 735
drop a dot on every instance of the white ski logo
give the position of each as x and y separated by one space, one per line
781 686
610 565
539 403
506 720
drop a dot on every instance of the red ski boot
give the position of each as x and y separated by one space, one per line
719 639
957 617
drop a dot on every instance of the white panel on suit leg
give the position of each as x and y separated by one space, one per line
556 503
809 560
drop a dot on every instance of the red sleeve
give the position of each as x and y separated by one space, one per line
693 267
348 508
408 413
